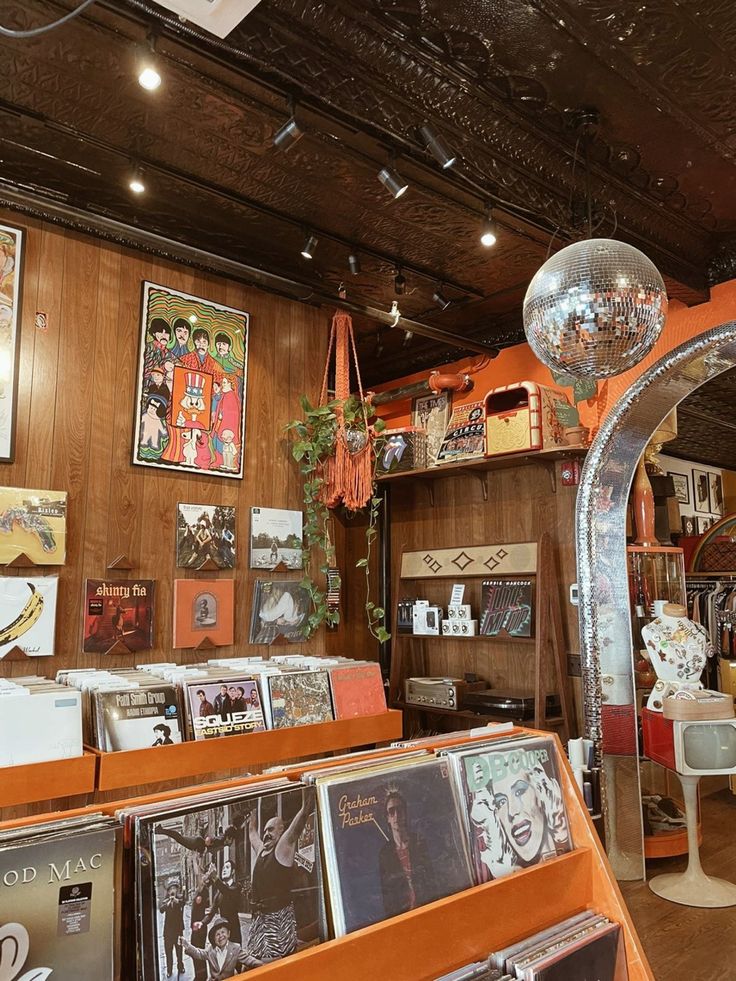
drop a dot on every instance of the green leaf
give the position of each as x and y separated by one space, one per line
583 389
382 635
567 415
361 563
379 425
380 612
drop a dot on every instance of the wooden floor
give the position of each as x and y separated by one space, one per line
683 943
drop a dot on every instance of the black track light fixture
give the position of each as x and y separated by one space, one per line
437 146
488 232
291 132
399 282
136 183
310 245
392 180
379 345
440 299
354 263
408 335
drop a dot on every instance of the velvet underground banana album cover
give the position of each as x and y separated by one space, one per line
32 523
28 615
393 841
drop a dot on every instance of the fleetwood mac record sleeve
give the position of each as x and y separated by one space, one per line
514 808
57 905
393 840
28 614
300 699
32 522
118 610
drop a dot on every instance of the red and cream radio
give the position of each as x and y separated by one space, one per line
522 417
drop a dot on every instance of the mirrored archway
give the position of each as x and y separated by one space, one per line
609 695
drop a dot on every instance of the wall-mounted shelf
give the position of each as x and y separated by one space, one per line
46 781
157 764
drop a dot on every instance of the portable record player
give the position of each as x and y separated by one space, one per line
514 704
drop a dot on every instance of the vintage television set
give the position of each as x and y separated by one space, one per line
705 747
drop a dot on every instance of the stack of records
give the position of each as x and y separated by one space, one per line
57 901
40 720
223 881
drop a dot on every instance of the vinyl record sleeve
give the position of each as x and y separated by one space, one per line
57 904
28 614
598 957
513 805
139 717
257 856
40 727
205 532
118 610
393 841
300 699
276 536
357 690
465 438
229 706
280 609
204 608
33 522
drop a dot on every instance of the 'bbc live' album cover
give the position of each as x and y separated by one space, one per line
394 842
57 908
118 610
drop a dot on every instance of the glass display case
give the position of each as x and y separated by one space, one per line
655 573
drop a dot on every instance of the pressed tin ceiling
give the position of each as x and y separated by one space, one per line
501 81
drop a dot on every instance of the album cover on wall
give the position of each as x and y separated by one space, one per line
138 718
465 437
205 532
28 614
432 414
32 522
275 536
57 904
118 610
513 806
250 852
394 841
280 608
231 707
300 699
507 605
204 608
357 690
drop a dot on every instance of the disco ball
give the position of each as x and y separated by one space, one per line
356 440
595 309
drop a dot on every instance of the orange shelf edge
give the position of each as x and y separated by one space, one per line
435 939
45 781
191 759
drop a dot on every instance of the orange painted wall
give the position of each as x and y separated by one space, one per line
518 363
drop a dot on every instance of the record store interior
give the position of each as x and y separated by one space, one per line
367 490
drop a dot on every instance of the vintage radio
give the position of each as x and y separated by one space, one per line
438 692
522 417
402 449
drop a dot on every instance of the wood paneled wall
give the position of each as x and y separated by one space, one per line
75 423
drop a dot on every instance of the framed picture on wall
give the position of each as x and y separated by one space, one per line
682 487
704 524
689 525
701 491
11 256
432 413
716 493
190 398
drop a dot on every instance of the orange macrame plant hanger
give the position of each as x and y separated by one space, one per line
347 476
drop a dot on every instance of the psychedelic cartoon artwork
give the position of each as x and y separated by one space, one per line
11 241
190 406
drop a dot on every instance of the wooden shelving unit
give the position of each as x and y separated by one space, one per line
47 781
256 749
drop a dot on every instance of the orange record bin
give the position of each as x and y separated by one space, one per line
522 417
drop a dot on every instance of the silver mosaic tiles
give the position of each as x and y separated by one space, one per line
595 309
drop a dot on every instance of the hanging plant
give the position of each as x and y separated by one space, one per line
336 445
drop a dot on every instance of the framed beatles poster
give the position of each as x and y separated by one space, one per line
11 250
190 401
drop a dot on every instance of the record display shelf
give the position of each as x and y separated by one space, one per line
132 768
35 782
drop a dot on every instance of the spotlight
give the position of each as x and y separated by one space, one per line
437 147
440 299
488 231
310 246
408 335
379 345
136 183
393 181
354 263
399 282
290 133
149 76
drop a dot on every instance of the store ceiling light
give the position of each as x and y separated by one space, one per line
136 183
437 147
290 133
488 231
310 246
149 76
354 263
399 282
393 181
440 299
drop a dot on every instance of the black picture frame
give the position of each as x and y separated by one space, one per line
701 491
682 487
715 482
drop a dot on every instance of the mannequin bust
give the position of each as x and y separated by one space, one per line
678 650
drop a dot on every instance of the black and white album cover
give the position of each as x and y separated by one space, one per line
280 608
514 808
394 841
235 884
275 536
138 718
